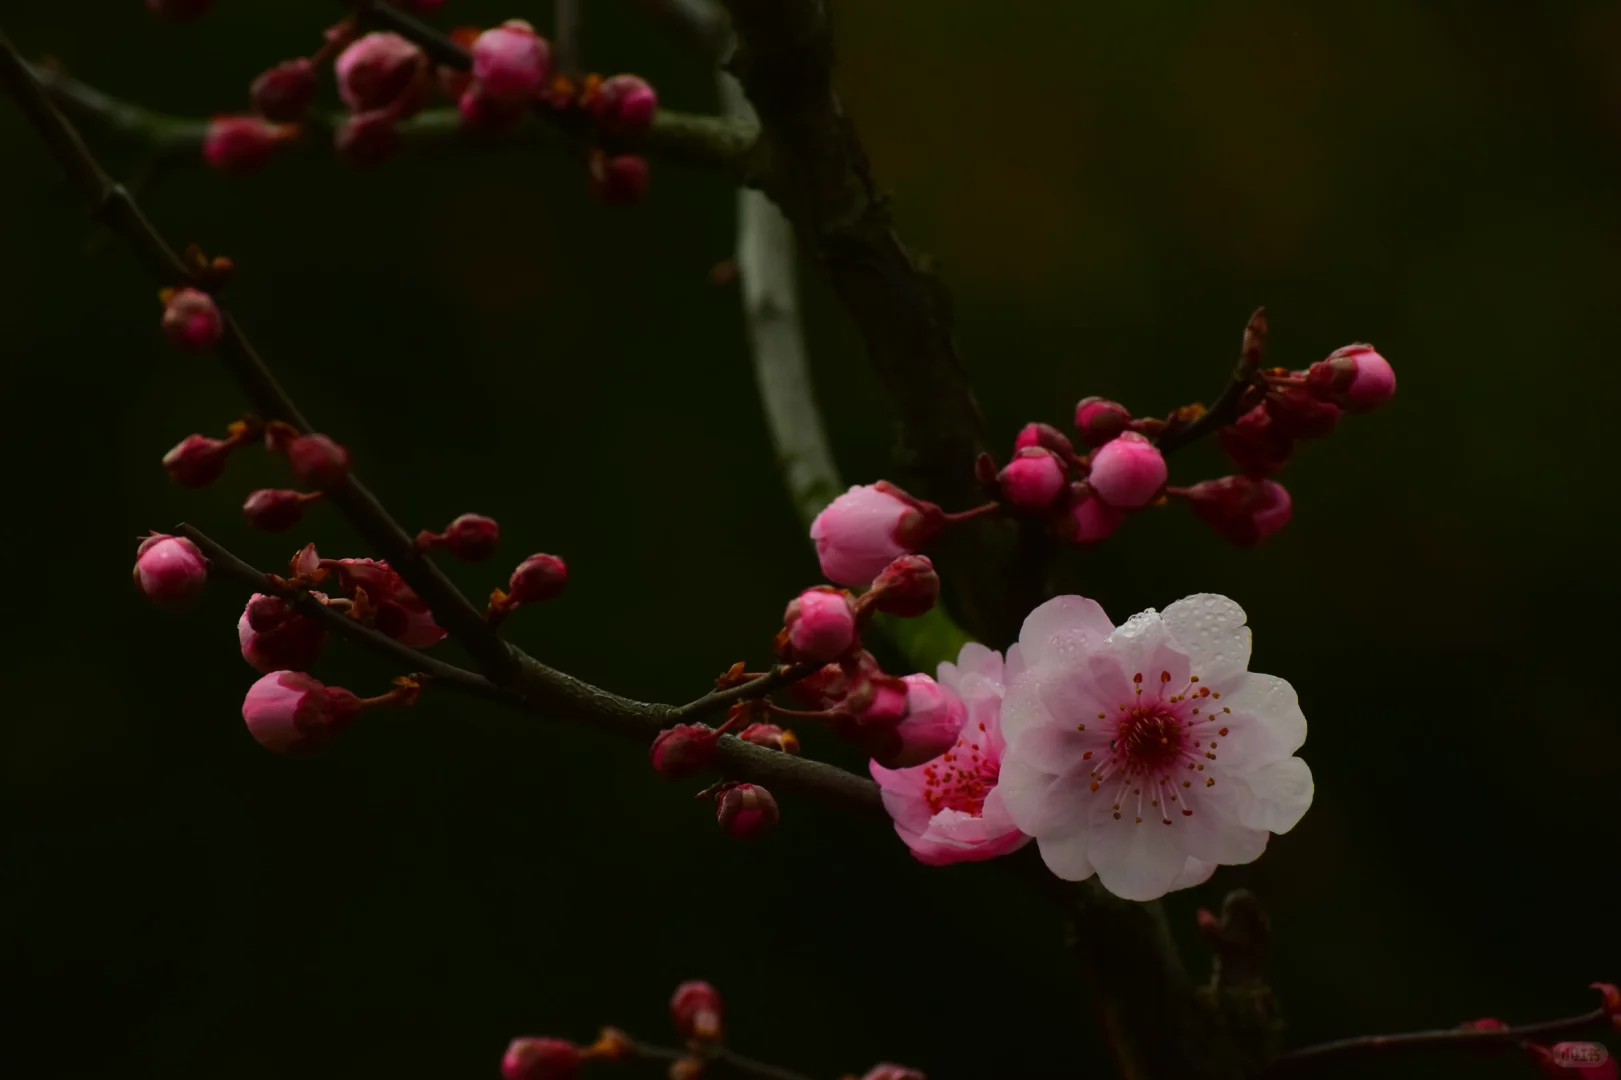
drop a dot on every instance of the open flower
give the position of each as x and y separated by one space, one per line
1148 753
950 809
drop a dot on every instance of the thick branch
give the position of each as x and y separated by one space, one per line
1445 1038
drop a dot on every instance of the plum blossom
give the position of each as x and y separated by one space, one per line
862 531
950 809
1147 753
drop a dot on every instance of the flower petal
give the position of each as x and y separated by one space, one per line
1194 872
1062 625
1065 855
1136 861
1267 723
1282 795
1043 803
1211 630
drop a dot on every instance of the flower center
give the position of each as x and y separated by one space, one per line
1157 751
960 778
1149 738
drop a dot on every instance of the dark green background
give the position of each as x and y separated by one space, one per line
1112 187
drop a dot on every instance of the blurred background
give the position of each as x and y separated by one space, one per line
1112 188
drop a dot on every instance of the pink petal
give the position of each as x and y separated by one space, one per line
1211 630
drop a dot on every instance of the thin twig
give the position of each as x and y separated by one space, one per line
566 37
1251 355
1449 1038
731 1064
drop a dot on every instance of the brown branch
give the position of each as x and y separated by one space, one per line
1251 354
719 1064
1445 1038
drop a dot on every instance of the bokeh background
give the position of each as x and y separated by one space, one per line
1112 187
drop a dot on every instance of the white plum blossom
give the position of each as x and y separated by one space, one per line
1147 753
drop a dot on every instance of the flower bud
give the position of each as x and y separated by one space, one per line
170 570
237 145
480 112
366 139
291 713
697 1010
1355 378
1033 479
617 179
197 460
862 531
934 717
275 509
1256 443
1610 996
472 537
511 61
179 10
683 750
540 1059
283 93
191 319
893 1072
1128 471
746 812
1243 509
907 588
318 460
273 637
878 699
1297 414
1098 420
1094 520
623 105
1048 438
382 71
537 579
771 737
821 624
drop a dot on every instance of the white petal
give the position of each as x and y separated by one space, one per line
1060 627
1023 709
1014 666
1267 723
1194 872
1211 630
1065 855
1143 646
976 659
1282 791
1136 861
1040 801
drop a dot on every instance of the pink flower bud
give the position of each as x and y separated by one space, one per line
274 637
318 460
623 105
1048 438
537 579
683 749
178 10
1243 509
291 713
617 179
771 737
192 320
907 588
275 509
396 610
472 537
1297 414
1128 471
698 1011
880 700
746 812
1098 420
1094 520
511 61
197 460
480 112
1033 479
1255 443
893 1072
283 93
382 71
821 624
867 528
540 1059
237 145
366 139
1355 378
934 718
170 570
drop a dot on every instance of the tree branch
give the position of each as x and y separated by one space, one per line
1445 1038
720 1065
1251 355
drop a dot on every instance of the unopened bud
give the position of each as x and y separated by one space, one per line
537 579
1355 378
480 112
366 139
276 509
1048 438
1297 414
472 537
821 624
318 460
170 570
771 737
237 145
908 587
1097 420
683 750
746 812
1128 471
697 1011
1243 509
511 61
197 460
1256 443
540 1059
623 105
1092 519
192 320
382 71
1033 479
283 93
616 179
274 637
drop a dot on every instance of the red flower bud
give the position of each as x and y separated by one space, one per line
617 180
771 737
472 537
382 71
318 460
908 587
623 105
1355 378
170 570
1256 444
283 93
481 112
1243 509
192 320
1296 414
366 139
746 812
1048 438
540 1059
197 460
821 624
1097 420
537 579
1033 479
276 509
683 749
697 1010
237 145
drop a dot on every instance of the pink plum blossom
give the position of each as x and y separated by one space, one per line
1033 479
291 713
170 570
1128 471
398 611
867 528
1355 378
511 61
821 624
274 637
950 809
934 718
1147 753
